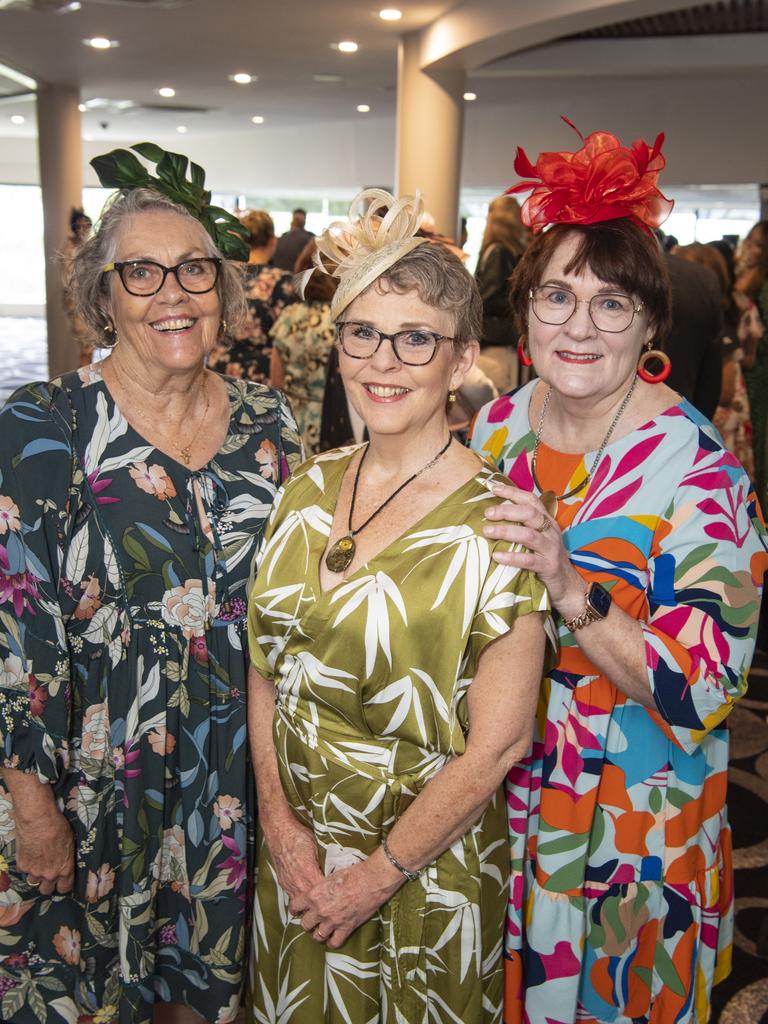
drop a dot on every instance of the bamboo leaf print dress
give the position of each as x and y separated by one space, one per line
621 906
122 684
371 681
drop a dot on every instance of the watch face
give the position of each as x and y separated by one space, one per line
599 599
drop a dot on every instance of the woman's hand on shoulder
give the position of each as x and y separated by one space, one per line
45 851
522 519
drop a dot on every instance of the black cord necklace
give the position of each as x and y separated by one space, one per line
343 551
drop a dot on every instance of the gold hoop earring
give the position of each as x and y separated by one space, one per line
111 338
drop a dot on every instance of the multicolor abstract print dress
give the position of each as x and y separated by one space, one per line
122 684
621 904
371 680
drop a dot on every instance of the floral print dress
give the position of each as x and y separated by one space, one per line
622 902
371 684
122 684
303 337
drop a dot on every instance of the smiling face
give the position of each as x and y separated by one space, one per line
390 396
172 330
576 358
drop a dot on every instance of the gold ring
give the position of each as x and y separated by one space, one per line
319 935
544 525
34 885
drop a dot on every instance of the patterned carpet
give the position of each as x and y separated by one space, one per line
743 997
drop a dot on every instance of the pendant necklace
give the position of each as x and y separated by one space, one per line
548 498
343 551
185 451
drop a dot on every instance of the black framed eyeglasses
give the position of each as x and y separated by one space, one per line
145 277
414 347
612 312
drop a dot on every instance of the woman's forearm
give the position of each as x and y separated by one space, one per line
274 810
615 645
447 808
32 798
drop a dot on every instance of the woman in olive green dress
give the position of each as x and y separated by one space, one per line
395 669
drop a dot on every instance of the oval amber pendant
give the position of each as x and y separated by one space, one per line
341 554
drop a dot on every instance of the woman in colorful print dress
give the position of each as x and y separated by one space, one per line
647 534
382 711
132 497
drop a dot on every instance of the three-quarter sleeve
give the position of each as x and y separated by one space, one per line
38 497
706 571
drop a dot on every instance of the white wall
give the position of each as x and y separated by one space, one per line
714 126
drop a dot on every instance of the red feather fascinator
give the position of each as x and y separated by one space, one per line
601 181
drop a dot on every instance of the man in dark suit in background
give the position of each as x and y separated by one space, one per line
292 243
693 344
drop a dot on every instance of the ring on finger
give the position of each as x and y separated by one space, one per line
544 525
319 935
34 885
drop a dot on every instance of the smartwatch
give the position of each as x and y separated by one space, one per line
598 604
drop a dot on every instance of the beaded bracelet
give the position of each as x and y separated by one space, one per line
410 875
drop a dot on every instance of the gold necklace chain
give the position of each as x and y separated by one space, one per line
185 451
548 498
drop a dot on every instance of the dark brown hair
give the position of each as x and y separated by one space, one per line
617 251
320 287
261 227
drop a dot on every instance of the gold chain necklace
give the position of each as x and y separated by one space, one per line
548 498
343 551
185 451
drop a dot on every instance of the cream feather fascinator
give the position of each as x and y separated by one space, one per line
378 232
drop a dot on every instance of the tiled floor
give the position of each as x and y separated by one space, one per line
23 352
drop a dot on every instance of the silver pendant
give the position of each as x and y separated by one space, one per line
341 554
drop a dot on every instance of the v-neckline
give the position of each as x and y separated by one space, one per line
329 505
187 470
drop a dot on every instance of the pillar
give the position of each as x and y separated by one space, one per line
430 119
61 182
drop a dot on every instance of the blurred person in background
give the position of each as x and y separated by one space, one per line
80 225
732 414
246 351
293 242
302 339
504 242
752 292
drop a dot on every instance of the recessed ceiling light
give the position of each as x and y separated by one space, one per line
469 96
347 46
101 43
363 108
166 91
258 119
181 129
327 78
242 78
82 107
70 8
17 119
390 14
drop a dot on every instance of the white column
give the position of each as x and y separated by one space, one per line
61 181
430 119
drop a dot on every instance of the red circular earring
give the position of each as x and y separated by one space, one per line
522 355
664 372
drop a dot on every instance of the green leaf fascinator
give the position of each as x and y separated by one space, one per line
122 170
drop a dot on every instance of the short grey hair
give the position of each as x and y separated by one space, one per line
90 287
442 281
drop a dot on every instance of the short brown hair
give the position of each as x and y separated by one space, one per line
260 226
617 251
320 287
442 281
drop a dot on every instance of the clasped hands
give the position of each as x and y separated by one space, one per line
331 906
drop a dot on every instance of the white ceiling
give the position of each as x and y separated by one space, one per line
193 46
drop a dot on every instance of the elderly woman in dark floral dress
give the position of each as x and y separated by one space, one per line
132 497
